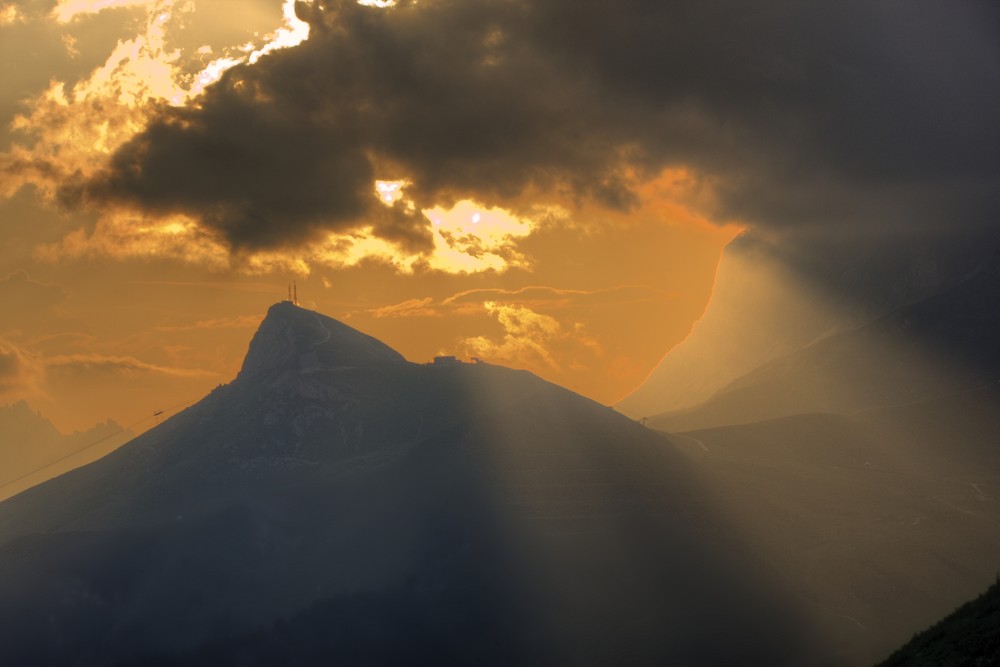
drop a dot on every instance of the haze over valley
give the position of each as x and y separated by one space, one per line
466 332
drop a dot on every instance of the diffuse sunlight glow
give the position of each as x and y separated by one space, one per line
67 10
292 33
468 237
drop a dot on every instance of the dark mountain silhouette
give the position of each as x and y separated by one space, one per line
968 637
337 505
32 449
945 344
880 522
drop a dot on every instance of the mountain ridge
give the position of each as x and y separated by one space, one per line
775 297
942 344
33 449
291 334
519 513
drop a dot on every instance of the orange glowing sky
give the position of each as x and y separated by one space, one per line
114 312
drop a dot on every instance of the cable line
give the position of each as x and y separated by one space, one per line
156 414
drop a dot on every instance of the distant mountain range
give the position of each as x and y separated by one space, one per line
31 449
844 410
336 504
940 345
823 480
773 300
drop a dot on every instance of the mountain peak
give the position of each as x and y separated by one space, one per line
292 338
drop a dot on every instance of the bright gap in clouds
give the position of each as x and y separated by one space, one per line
292 33
390 192
470 238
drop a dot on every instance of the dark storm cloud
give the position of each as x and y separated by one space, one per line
843 112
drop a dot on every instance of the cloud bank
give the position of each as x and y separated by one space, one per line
847 113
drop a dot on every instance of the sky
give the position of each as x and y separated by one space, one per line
546 185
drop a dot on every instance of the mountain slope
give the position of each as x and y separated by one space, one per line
968 636
334 485
881 522
941 345
773 298
31 449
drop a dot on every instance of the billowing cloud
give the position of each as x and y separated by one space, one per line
69 131
814 113
263 156
291 146
529 339
467 238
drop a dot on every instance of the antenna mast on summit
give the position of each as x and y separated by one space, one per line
289 292
295 293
